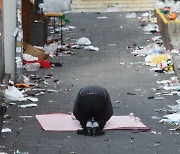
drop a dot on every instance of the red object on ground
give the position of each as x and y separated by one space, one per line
44 63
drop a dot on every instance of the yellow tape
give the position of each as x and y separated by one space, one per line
164 18
53 14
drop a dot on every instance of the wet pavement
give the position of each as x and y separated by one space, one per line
112 35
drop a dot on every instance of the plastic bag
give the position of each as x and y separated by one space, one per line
152 48
92 48
131 15
176 7
13 94
159 4
32 67
156 58
83 41
151 28
28 57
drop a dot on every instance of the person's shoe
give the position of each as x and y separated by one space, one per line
96 130
81 131
89 128
87 131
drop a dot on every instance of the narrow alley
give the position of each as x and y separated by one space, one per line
128 80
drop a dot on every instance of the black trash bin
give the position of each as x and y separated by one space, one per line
3 109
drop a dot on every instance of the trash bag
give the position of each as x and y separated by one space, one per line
151 28
159 58
176 7
156 58
152 48
32 66
13 94
159 4
83 41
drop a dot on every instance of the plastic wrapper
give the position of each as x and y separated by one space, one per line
92 48
29 57
151 28
83 41
156 58
13 94
176 7
152 48
159 4
131 15
32 67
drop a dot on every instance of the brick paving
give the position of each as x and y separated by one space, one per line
102 68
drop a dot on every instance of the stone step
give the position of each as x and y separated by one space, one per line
111 5
112 10
87 2
103 6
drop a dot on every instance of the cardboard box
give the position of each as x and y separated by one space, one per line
29 49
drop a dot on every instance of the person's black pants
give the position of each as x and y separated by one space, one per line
92 106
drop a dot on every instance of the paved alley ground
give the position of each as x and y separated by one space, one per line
105 68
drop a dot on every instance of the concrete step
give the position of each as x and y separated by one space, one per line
85 2
111 5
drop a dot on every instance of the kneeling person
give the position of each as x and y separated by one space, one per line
92 108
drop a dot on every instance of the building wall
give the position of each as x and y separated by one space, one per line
1 45
9 25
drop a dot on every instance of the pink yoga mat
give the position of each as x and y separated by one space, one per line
65 122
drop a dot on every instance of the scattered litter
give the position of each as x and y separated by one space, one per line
32 99
154 132
110 45
156 144
175 108
13 94
6 130
51 90
155 38
151 97
40 93
83 41
131 15
159 98
28 105
28 57
155 117
32 67
151 27
25 117
171 119
101 17
130 94
19 152
116 101
92 48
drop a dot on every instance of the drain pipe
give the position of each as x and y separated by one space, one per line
18 34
